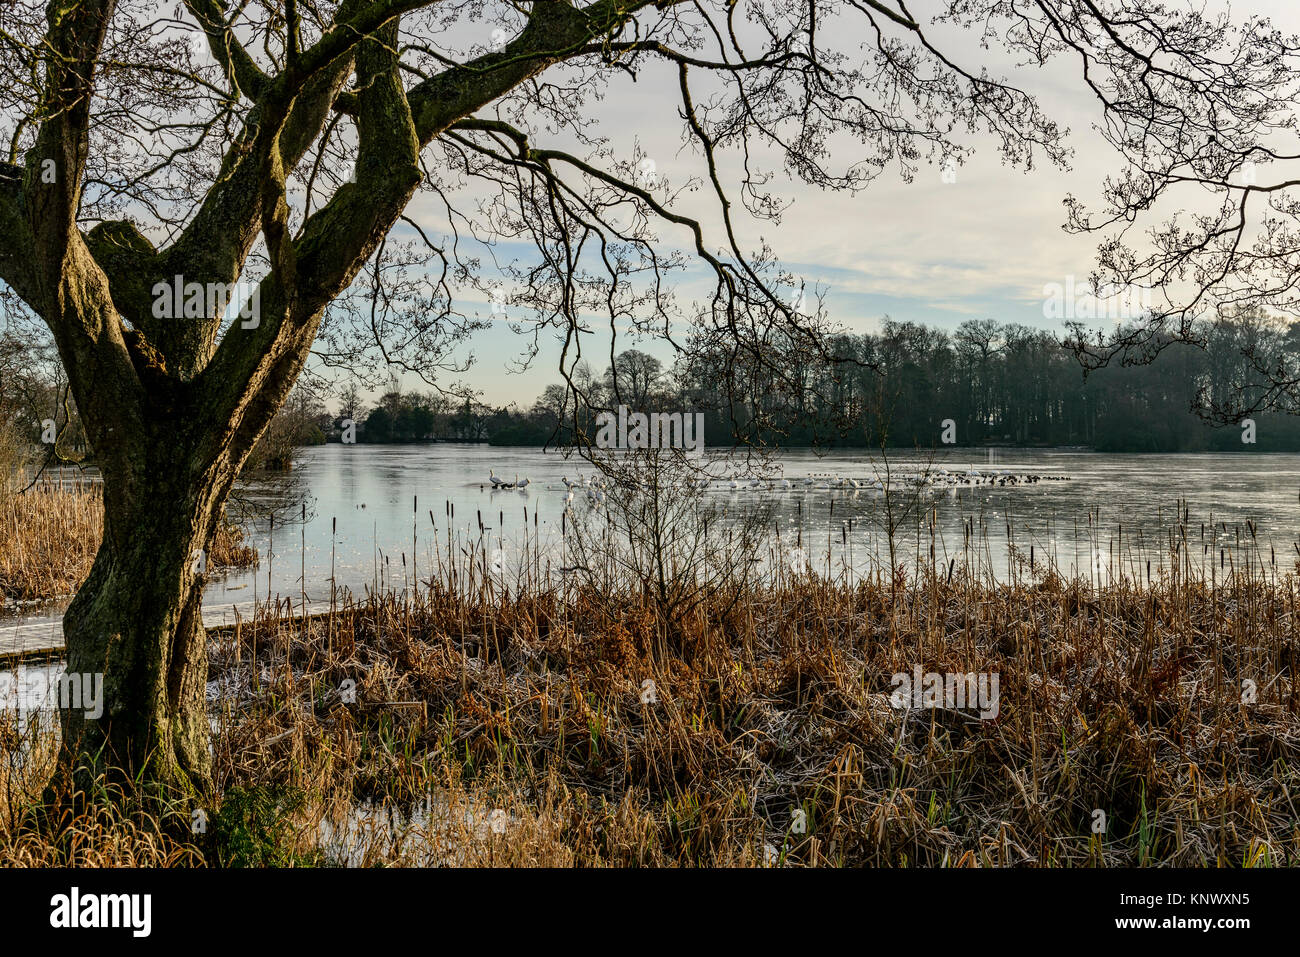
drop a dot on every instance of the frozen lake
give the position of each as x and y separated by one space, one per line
379 516
369 508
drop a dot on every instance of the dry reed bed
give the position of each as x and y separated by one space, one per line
49 536
48 539
512 725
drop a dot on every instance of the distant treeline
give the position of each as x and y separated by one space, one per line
990 383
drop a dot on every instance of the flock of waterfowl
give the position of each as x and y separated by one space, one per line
597 488
498 482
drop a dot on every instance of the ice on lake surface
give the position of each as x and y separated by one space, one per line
393 504
376 514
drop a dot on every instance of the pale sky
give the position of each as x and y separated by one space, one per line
930 251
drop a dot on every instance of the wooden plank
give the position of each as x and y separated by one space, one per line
24 638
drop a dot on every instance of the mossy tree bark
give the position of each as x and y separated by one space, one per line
136 620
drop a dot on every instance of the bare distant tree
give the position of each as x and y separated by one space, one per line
632 377
350 402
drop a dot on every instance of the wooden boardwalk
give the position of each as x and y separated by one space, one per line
23 638
42 636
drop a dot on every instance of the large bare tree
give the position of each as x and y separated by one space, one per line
306 147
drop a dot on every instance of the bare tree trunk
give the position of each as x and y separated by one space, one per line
136 621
